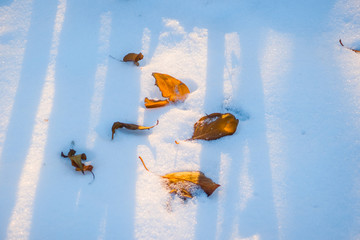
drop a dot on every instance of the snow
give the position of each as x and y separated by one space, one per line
291 171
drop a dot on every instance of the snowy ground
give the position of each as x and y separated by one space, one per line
291 171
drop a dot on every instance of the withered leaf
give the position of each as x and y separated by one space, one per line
354 50
151 103
214 126
171 88
76 161
133 57
195 177
129 126
177 182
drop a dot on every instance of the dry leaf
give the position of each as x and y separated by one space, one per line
214 126
151 103
130 126
354 50
171 88
180 183
133 57
76 161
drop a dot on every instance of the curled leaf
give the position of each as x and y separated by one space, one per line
354 50
76 161
151 103
171 88
181 183
214 126
129 126
133 57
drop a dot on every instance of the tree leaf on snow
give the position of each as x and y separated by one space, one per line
76 161
151 103
354 50
171 88
177 182
214 126
133 57
129 126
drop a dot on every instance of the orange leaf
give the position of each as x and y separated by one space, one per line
129 126
354 50
151 103
133 57
214 126
171 88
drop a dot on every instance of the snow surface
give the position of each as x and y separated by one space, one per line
291 171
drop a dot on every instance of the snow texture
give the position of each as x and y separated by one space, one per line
291 171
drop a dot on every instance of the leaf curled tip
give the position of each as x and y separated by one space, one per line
352 49
341 43
144 164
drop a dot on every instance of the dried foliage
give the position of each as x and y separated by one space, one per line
177 182
151 103
354 50
171 88
133 57
76 161
214 126
129 126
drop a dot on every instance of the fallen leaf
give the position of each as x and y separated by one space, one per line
133 57
214 126
129 126
171 88
151 103
76 161
180 183
354 50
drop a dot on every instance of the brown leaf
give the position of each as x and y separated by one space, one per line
129 126
133 57
171 88
151 103
196 177
354 50
180 183
214 126
76 161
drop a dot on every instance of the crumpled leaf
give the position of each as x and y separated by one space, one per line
133 57
214 126
171 88
354 50
180 183
76 161
129 126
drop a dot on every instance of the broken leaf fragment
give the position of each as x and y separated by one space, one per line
151 103
76 161
354 50
171 88
214 126
133 57
129 126
180 183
